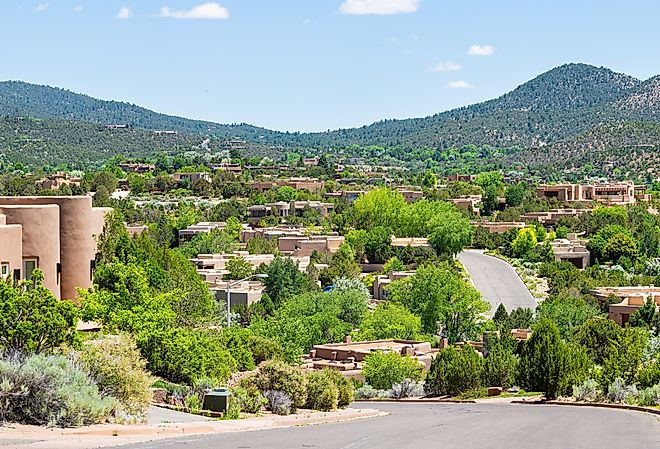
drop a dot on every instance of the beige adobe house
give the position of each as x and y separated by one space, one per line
136 167
347 195
462 178
382 281
632 298
468 202
274 232
571 249
498 227
56 234
620 193
190 177
413 242
57 180
551 217
348 356
200 228
305 246
291 209
410 193
243 293
311 184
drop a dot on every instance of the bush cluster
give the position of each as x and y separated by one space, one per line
384 369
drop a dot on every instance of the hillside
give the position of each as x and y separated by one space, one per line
623 150
556 106
79 144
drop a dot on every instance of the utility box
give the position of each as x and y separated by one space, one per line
216 400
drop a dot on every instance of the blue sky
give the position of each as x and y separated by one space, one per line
316 64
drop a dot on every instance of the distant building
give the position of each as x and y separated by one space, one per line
414 242
306 245
311 184
410 194
631 299
620 193
291 209
202 227
137 167
57 180
468 202
382 281
551 217
462 178
572 250
190 177
244 293
498 227
55 234
347 195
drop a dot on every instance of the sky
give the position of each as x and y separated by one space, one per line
313 65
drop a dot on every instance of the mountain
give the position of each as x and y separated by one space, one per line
556 106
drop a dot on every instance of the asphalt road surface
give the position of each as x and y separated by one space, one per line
497 281
448 426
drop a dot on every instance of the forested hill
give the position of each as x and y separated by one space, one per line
19 99
562 103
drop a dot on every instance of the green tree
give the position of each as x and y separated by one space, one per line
524 243
383 369
450 233
567 312
515 194
390 321
454 371
393 264
621 245
429 180
378 207
444 301
32 319
284 280
238 268
549 365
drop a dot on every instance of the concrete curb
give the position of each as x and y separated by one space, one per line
419 401
636 408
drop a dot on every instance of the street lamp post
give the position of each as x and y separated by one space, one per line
231 284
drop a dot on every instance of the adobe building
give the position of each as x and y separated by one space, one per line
301 246
348 357
572 250
632 298
311 184
413 242
462 178
551 217
202 227
56 234
244 293
498 227
468 202
382 281
620 193
191 177
291 209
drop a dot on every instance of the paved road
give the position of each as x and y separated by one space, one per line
447 426
497 281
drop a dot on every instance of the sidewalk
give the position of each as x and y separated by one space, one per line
16 436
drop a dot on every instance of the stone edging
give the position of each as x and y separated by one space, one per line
636 408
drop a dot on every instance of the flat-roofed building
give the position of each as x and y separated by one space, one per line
137 167
300 246
191 177
468 202
413 242
571 249
631 299
311 184
58 236
381 282
202 227
283 209
618 193
550 218
498 227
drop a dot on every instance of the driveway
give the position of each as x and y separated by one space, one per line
497 281
448 426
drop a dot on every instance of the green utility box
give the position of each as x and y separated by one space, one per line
217 400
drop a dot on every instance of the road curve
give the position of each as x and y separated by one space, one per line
448 426
497 281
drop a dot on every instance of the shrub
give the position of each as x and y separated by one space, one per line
280 377
32 319
384 369
263 348
51 390
619 392
407 388
322 393
500 366
279 402
587 391
248 398
390 321
366 391
548 364
183 355
454 371
649 397
649 375
344 385
119 370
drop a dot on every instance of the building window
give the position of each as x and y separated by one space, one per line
4 270
29 265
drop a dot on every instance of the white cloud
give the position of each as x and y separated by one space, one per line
78 8
481 50
459 85
391 40
446 67
381 7
125 13
209 10
41 7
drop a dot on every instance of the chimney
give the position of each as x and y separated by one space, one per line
347 339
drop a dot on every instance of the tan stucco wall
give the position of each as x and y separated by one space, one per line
40 238
11 245
78 224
